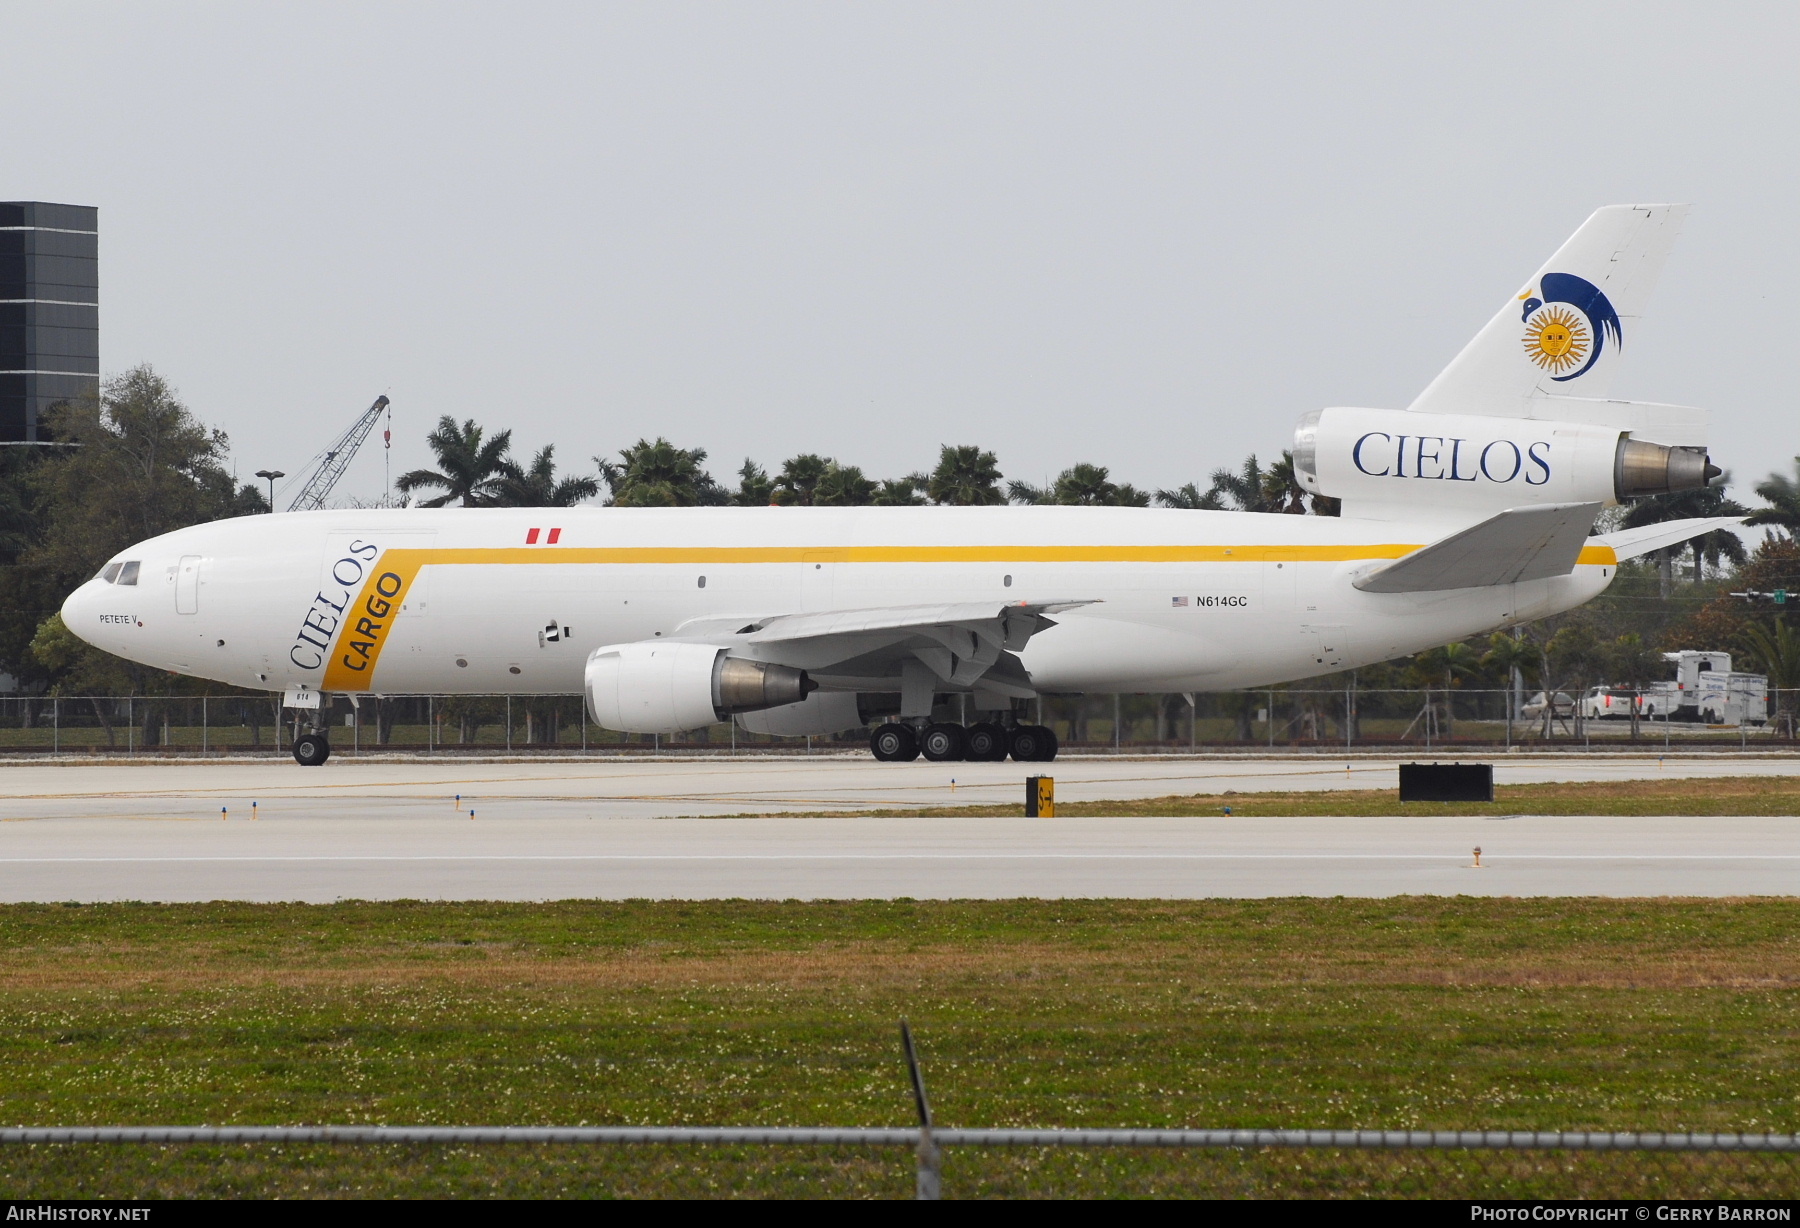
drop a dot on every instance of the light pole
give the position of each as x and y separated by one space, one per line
271 474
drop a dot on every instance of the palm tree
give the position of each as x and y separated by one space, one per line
799 478
1776 651
1189 498
755 487
1633 663
470 466
1575 653
1253 489
901 492
1510 655
1282 489
1081 485
1782 494
1682 505
843 486
1247 489
1452 663
965 476
656 473
537 486
1719 546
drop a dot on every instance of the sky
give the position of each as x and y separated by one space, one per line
1147 236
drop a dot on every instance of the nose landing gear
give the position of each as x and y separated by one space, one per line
311 749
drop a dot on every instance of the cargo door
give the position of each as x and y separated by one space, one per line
1281 569
187 585
818 576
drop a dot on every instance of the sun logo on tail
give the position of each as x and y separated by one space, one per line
1567 321
1557 339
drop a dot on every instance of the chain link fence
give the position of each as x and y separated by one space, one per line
1286 719
1464 1165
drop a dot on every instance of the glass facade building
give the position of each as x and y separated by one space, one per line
49 311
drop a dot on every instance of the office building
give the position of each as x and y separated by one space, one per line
49 312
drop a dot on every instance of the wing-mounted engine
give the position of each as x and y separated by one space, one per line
666 686
879 661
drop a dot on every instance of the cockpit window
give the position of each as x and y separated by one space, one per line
128 574
110 572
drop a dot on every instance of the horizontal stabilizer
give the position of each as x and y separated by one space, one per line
1629 543
1528 543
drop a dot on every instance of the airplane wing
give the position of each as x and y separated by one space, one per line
1529 543
960 642
1629 543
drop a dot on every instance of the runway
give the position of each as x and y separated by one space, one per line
616 829
522 858
719 785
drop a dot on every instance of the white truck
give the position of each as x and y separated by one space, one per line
1609 703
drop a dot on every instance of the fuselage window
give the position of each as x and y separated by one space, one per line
111 572
128 574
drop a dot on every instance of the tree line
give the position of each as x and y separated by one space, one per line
137 462
476 469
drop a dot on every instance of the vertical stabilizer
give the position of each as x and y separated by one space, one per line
1565 332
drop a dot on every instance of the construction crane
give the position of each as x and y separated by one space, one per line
335 459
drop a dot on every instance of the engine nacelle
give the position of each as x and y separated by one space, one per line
1419 462
823 712
662 686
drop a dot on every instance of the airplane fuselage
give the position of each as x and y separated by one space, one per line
515 600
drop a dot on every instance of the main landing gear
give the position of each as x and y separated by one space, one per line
942 741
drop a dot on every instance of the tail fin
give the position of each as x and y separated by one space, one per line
1563 335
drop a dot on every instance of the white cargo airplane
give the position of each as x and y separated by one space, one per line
1468 511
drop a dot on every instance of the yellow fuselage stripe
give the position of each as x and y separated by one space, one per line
371 618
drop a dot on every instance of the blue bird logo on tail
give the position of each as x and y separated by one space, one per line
1566 325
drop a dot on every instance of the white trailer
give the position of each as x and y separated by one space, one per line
1706 690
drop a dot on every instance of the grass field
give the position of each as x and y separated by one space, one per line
1423 1013
1735 795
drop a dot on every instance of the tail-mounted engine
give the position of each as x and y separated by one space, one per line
1413 462
658 686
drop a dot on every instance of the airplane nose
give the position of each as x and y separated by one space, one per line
80 612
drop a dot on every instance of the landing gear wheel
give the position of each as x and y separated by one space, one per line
894 744
941 742
987 742
311 749
1033 744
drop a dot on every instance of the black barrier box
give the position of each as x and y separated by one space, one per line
1446 782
